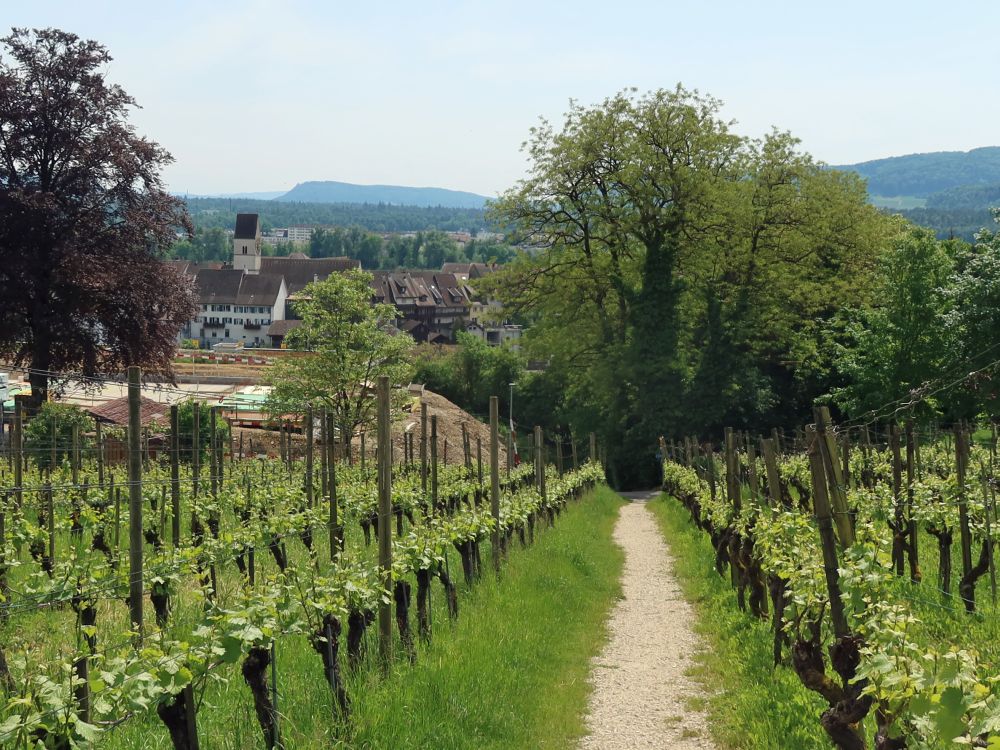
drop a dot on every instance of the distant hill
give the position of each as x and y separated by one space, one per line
345 192
922 175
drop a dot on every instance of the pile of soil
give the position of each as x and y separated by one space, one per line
450 419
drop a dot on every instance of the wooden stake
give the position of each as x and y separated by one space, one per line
135 501
821 505
495 479
423 451
175 475
384 520
309 456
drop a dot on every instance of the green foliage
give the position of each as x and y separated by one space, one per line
901 342
351 344
50 432
207 244
682 271
470 373
973 293
185 418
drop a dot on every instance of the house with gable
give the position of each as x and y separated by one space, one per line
239 302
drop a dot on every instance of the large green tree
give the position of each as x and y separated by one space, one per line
900 343
973 321
679 272
350 343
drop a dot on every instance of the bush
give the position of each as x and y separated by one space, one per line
50 432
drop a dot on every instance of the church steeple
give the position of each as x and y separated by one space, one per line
246 243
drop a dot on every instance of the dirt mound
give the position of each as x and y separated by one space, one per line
450 419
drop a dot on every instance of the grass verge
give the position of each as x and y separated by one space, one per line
511 672
751 703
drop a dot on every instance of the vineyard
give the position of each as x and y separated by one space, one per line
843 540
239 561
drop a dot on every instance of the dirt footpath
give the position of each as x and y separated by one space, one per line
641 691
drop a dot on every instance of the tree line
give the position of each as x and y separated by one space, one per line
423 249
690 278
375 217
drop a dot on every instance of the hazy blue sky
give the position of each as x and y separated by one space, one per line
261 94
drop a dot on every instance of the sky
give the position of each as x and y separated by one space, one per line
259 95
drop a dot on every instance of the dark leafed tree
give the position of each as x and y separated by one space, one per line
83 219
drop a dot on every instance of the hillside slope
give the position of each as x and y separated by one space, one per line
921 175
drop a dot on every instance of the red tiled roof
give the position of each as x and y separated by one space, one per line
116 411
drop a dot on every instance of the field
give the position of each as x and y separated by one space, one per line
268 617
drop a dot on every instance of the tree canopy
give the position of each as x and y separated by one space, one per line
682 271
351 343
84 218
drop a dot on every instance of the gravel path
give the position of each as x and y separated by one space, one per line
641 692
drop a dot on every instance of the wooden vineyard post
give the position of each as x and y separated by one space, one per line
495 479
835 478
324 466
911 522
845 450
965 534
423 452
18 453
776 441
540 464
135 501
384 520
466 452
752 471
479 460
213 464
331 462
74 463
710 468
434 463
593 447
559 456
573 444
898 534
99 449
195 446
733 496
175 484
821 506
309 455
732 472
771 468
510 452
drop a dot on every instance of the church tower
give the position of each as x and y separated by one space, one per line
246 243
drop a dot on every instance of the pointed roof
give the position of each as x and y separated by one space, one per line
247 226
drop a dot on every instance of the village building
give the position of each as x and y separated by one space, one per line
239 302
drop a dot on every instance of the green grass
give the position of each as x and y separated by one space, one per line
750 704
510 673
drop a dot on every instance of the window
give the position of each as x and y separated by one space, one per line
227 333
